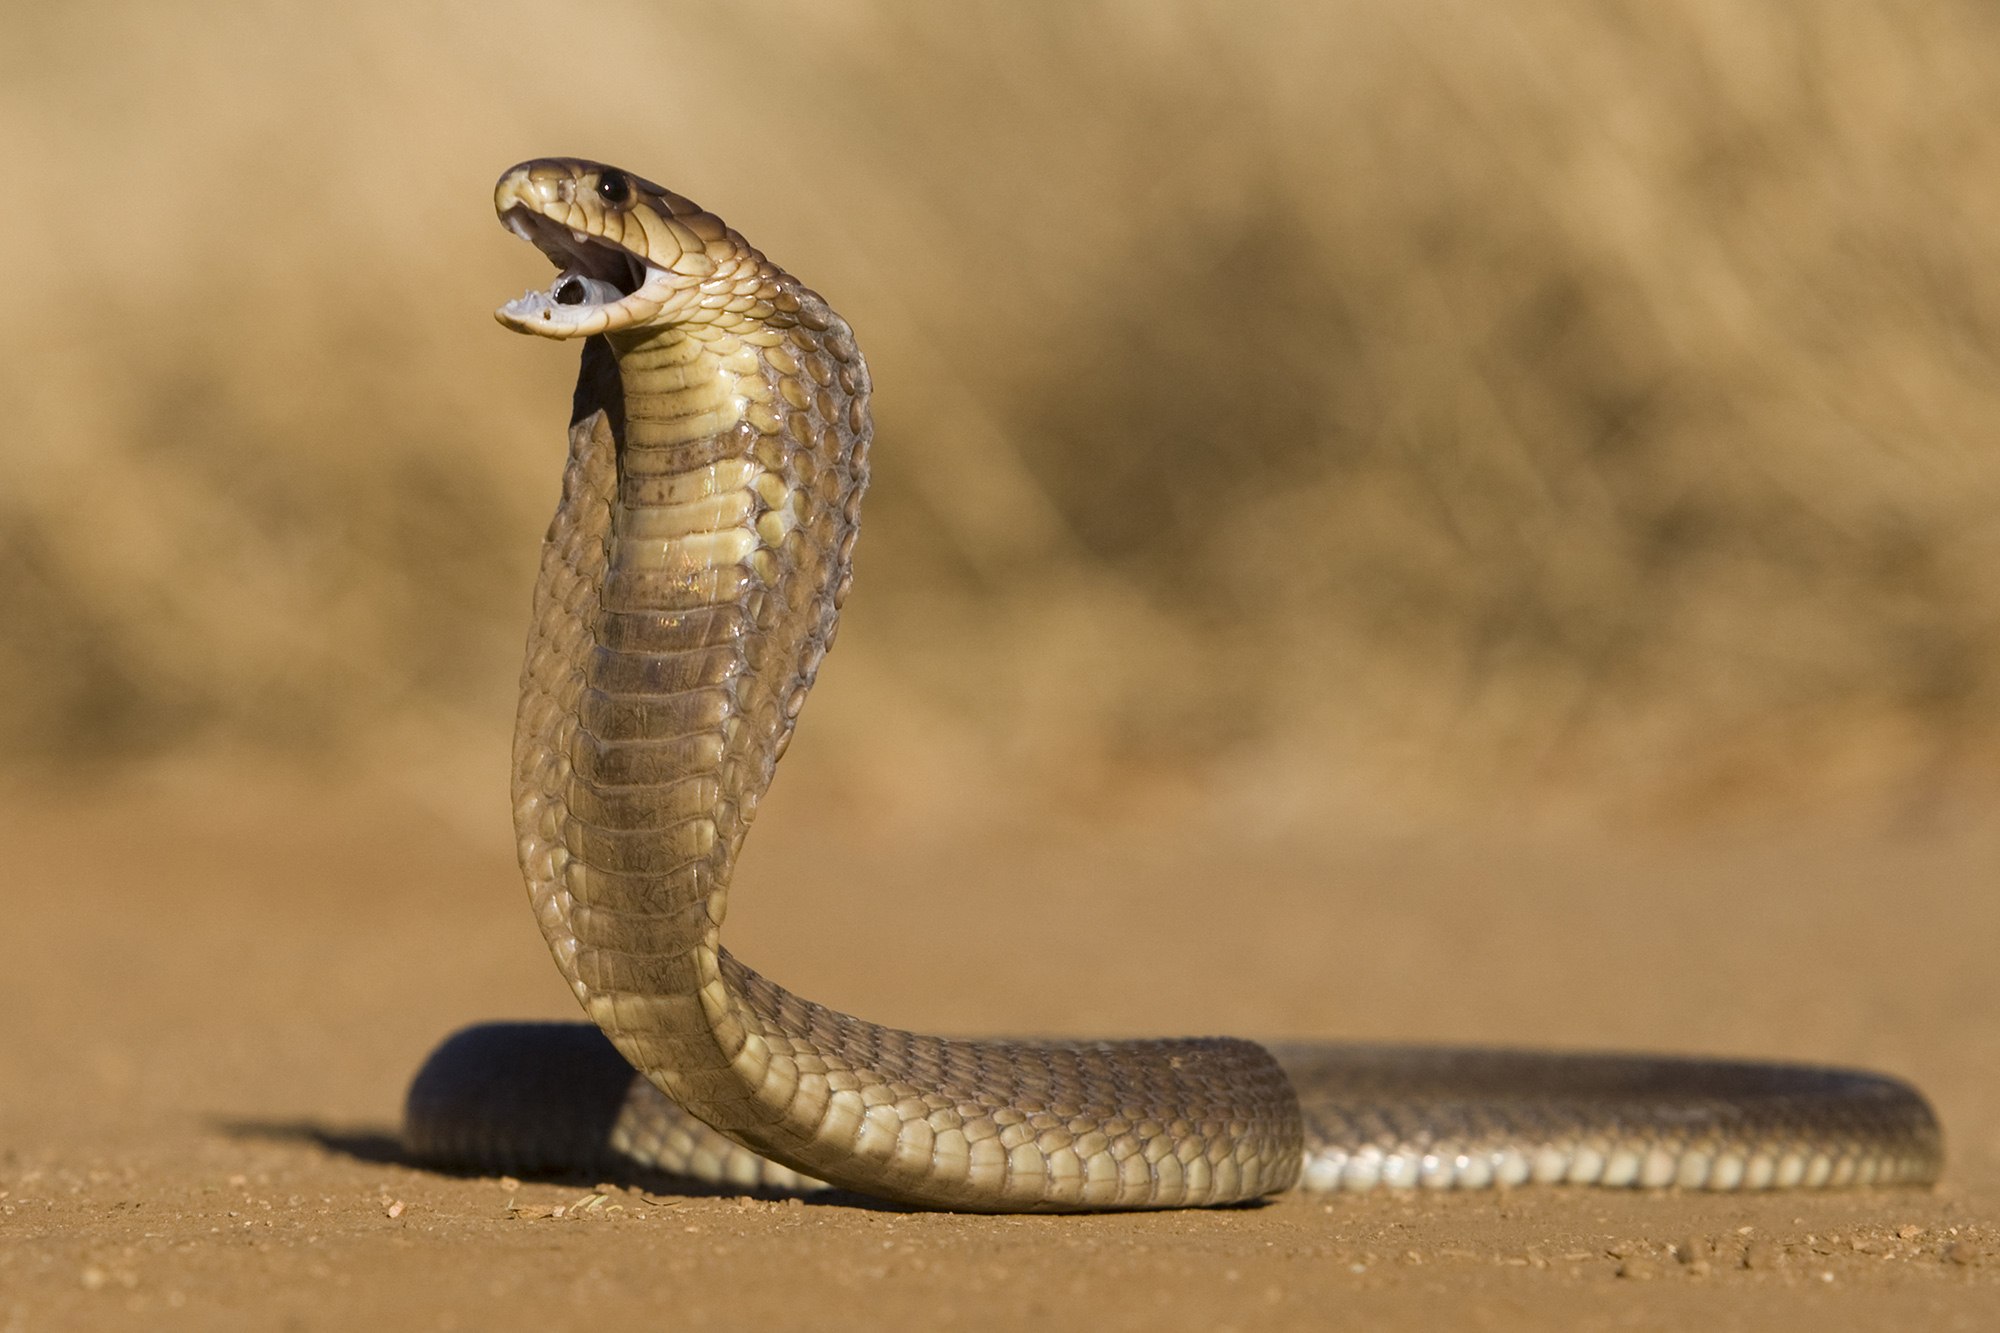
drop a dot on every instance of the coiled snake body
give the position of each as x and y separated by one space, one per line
688 591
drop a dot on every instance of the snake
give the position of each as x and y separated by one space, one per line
688 591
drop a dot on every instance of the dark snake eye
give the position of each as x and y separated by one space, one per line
613 187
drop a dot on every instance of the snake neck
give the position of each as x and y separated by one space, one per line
688 592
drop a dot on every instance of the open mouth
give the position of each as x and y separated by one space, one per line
596 275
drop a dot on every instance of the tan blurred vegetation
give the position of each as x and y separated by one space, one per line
1597 397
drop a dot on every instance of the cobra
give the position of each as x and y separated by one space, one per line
688 592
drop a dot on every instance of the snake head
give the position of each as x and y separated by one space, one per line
630 254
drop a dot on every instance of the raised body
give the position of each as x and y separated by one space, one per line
688 591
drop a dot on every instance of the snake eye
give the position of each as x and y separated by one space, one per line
613 186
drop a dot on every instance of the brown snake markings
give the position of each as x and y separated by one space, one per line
688 592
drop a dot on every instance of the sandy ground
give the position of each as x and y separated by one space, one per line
210 1019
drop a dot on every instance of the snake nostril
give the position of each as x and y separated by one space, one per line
613 186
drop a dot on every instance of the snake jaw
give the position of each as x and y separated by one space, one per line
601 285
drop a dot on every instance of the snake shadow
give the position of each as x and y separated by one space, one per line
378 1146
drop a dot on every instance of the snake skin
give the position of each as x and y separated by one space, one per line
688 592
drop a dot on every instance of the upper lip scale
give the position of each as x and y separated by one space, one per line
522 222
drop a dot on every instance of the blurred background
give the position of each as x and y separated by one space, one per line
1579 406
1395 519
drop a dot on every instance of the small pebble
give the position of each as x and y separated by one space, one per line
1639 1270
